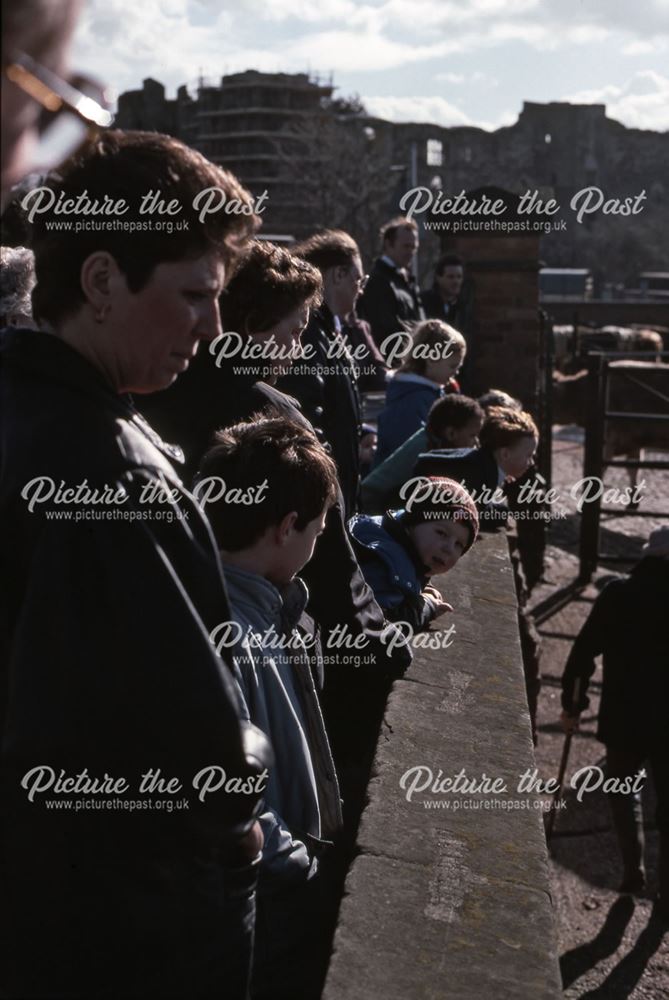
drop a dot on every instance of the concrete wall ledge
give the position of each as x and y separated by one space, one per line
444 903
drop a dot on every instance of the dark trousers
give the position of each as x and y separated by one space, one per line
655 758
293 937
627 811
127 932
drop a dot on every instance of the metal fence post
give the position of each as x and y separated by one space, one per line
545 407
593 463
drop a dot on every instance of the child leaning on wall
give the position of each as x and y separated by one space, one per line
399 552
508 441
454 421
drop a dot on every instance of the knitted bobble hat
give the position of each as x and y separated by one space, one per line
444 500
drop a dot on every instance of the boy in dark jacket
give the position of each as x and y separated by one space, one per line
628 626
400 552
508 442
454 421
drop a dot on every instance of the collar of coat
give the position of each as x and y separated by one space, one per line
386 266
43 355
261 601
387 536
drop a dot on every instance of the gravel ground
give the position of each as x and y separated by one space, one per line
610 947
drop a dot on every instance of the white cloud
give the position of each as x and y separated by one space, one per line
176 40
435 110
355 50
457 79
642 102
502 120
127 41
454 78
648 47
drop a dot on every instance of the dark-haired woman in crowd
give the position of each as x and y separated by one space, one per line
264 310
107 668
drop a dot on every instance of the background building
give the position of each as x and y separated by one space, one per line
325 162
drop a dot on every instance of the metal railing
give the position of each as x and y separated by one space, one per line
594 462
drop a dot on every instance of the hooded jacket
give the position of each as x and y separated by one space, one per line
408 400
273 666
106 666
393 568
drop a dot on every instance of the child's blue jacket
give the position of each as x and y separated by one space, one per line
391 567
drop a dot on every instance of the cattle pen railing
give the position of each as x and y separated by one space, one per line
594 462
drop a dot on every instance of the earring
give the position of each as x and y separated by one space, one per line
101 314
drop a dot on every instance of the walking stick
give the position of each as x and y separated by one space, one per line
550 817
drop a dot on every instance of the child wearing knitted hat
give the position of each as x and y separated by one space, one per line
402 550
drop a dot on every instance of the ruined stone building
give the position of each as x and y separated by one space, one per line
243 124
325 162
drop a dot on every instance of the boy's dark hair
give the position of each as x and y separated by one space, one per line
503 427
128 165
329 248
267 286
497 397
389 230
447 260
452 410
300 476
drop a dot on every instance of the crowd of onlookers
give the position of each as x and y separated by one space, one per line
211 556
254 446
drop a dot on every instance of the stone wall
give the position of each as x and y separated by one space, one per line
442 903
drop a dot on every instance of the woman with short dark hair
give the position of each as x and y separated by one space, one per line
113 585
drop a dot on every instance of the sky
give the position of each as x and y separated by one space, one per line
472 62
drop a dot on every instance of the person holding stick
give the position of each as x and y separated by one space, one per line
627 625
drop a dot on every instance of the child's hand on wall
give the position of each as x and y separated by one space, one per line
431 594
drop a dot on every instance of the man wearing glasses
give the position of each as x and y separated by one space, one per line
45 118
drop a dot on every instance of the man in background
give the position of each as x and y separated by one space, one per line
391 300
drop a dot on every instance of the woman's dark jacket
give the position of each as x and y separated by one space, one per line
106 666
326 387
628 625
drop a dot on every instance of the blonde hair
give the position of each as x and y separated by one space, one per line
432 334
